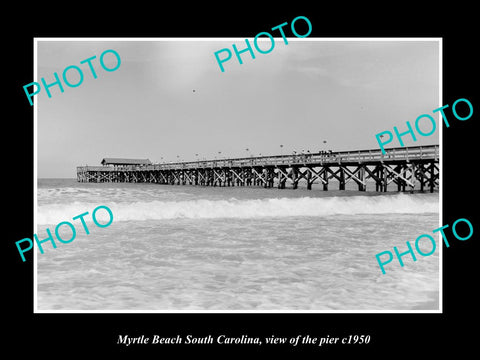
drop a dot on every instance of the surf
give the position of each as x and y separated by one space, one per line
253 208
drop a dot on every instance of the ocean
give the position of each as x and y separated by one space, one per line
194 248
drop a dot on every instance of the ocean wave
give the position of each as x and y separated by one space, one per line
256 208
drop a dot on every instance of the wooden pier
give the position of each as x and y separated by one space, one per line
409 168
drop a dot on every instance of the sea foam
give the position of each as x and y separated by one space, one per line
248 208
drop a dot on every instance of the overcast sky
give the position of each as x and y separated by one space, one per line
298 95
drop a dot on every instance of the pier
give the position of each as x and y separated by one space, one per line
407 168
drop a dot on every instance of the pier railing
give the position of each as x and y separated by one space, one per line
342 157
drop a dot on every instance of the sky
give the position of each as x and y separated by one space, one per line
169 101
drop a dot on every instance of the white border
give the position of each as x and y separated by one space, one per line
440 172
35 178
339 39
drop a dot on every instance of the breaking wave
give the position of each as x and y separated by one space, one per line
257 208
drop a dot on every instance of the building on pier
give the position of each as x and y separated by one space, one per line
120 162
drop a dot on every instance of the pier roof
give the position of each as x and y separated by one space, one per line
122 161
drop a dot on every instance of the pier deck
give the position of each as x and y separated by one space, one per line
410 168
